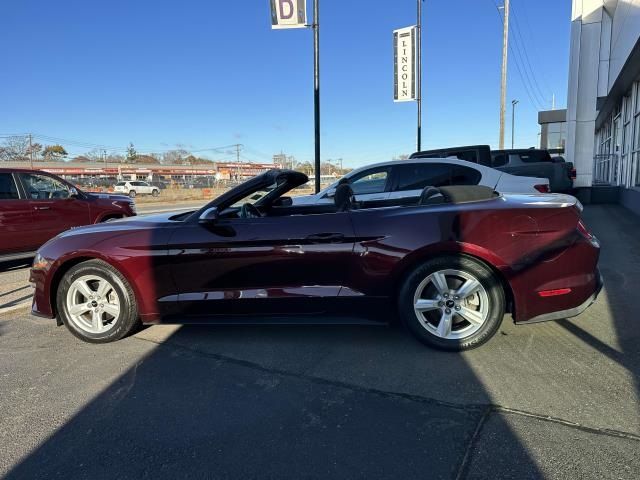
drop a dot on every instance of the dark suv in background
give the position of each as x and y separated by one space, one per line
522 162
36 206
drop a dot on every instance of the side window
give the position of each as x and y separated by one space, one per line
43 187
370 181
417 176
8 190
465 176
500 160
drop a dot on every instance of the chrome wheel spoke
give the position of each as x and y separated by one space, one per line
79 309
439 281
425 305
444 326
96 320
472 316
469 288
84 289
112 309
103 288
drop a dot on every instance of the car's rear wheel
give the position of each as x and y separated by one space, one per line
155 193
132 194
96 303
452 303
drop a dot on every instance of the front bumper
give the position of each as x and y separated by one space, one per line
571 312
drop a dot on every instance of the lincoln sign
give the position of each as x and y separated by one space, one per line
288 13
404 61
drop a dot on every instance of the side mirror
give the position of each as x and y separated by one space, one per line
331 193
73 193
209 215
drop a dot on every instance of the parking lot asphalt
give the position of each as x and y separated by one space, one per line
550 400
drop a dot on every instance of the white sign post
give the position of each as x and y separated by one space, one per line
404 65
288 13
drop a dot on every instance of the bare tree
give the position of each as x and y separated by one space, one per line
15 149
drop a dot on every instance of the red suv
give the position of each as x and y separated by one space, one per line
36 206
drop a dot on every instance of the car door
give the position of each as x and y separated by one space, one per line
53 208
16 222
270 265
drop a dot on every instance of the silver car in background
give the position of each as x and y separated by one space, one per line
399 179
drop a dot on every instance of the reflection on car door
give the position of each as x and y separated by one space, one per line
53 210
272 264
16 222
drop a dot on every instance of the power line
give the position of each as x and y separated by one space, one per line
523 46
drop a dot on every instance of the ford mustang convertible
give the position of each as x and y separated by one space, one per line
451 264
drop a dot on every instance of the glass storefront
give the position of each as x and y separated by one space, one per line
618 143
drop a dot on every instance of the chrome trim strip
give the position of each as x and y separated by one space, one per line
572 312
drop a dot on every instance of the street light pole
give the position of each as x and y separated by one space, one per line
316 88
513 120
419 75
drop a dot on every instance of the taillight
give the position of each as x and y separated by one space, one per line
542 188
582 228
572 174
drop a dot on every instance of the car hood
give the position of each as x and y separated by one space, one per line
159 220
109 197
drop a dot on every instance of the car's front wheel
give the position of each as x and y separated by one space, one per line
155 193
452 303
96 303
132 194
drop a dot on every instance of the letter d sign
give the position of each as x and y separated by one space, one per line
288 13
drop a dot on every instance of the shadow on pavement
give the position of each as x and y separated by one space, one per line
186 411
15 265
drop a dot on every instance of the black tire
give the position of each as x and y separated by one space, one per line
155 193
127 320
488 280
132 194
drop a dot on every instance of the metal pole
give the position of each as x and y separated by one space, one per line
419 76
503 86
316 88
513 120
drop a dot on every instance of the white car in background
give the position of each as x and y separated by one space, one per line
136 187
399 179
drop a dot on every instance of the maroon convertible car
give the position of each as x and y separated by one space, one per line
452 263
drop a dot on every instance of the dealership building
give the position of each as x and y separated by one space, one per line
603 104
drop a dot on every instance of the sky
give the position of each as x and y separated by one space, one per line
203 74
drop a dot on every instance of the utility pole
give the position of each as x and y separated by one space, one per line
238 147
31 151
553 102
503 86
316 88
419 76
513 120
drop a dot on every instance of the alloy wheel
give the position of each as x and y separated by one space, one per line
93 304
451 304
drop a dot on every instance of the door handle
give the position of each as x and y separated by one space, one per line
42 208
326 238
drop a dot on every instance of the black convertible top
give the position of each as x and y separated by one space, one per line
467 193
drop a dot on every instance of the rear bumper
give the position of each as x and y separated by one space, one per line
571 312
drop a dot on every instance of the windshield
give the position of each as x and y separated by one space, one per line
254 197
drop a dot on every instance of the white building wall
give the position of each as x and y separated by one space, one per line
584 74
624 34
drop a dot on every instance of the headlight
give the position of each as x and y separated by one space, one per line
40 263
